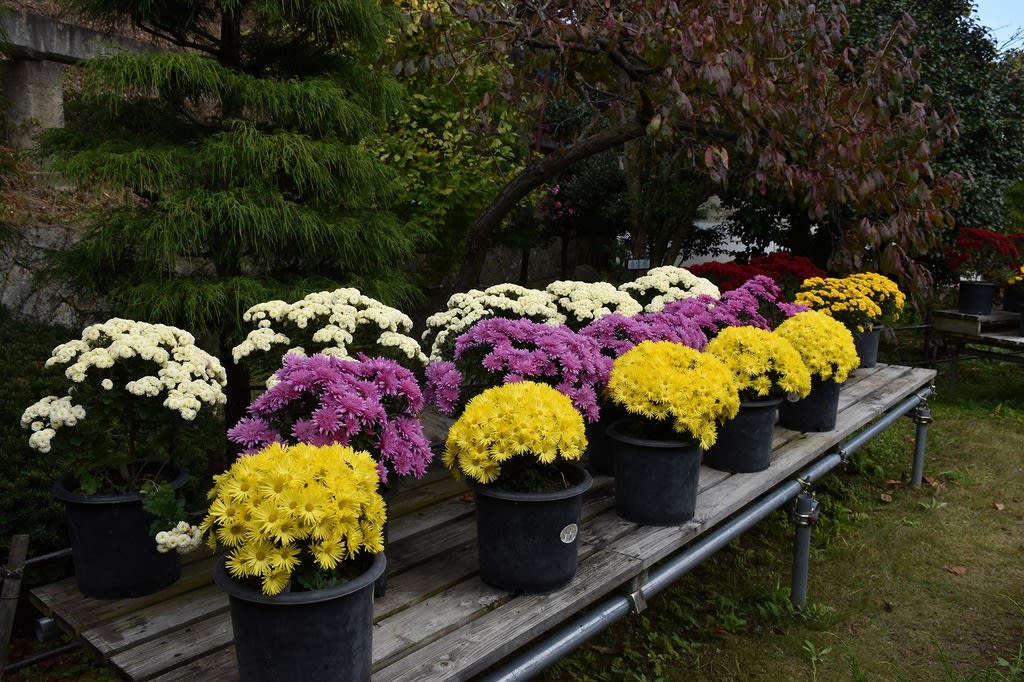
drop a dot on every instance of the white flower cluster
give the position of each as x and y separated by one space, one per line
189 376
589 301
183 538
45 416
500 300
672 284
332 318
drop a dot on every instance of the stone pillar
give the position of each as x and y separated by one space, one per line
34 99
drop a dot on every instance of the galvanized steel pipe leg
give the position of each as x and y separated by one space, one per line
804 513
922 417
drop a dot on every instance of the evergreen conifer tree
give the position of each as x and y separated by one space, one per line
240 147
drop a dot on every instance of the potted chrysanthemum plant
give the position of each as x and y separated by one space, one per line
826 347
863 302
138 400
766 369
301 529
676 399
371 404
518 444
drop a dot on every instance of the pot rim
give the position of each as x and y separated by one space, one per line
616 434
63 487
492 489
250 594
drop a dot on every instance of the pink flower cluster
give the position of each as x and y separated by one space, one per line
499 351
693 321
371 404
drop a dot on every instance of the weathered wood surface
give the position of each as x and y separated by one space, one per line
437 621
953 323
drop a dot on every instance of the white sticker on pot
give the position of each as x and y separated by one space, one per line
569 533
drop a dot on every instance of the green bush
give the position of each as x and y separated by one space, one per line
26 477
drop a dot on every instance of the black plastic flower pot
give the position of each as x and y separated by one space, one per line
866 344
318 636
975 298
600 460
388 492
529 542
656 481
744 443
1013 299
815 413
113 552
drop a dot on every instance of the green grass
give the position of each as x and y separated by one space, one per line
905 584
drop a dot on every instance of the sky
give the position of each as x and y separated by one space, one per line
1003 17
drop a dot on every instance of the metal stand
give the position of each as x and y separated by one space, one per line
804 514
922 416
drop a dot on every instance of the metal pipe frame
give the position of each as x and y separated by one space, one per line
528 664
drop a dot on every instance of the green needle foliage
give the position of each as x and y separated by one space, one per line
240 151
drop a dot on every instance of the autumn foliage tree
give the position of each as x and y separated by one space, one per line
764 96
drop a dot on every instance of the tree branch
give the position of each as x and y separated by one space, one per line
533 176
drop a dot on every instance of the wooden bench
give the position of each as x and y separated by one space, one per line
437 621
976 336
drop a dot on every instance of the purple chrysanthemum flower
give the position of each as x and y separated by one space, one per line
369 403
443 384
499 350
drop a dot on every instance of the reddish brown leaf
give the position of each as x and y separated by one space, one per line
956 570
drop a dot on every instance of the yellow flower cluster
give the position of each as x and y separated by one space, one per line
824 343
512 420
662 380
859 301
1017 277
286 504
764 364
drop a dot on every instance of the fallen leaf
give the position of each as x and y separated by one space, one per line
893 483
467 497
956 570
930 481
998 506
887 604
886 497
607 650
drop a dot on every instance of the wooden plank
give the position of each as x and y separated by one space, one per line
953 322
76 613
218 665
116 635
175 648
410 498
10 591
497 633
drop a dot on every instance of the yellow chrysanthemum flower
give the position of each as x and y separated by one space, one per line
764 364
273 506
524 419
824 343
661 380
859 301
